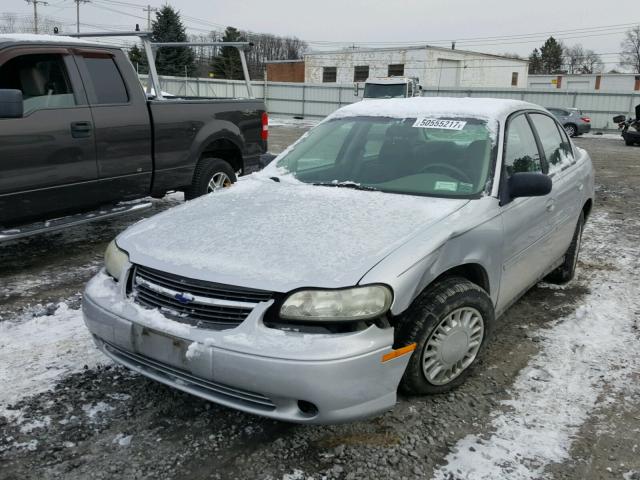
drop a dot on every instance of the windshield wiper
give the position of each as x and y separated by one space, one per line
352 185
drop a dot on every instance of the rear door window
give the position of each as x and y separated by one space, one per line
556 151
521 149
42 78
108 85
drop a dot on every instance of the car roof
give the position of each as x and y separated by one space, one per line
488 108
34 39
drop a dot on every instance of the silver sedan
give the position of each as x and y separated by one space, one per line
373 254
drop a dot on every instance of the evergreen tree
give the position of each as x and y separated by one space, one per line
227 64
167 27
551 56
535 62
138 59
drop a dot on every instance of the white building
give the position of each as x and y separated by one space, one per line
604 82
434 66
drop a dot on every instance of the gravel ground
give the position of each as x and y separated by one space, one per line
106 422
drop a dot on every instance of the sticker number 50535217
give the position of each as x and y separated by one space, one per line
423 122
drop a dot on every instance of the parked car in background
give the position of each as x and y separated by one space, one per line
572 119
377 250
78 135
391 87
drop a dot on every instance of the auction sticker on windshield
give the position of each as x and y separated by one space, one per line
424 122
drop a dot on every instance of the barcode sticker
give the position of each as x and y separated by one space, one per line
424 122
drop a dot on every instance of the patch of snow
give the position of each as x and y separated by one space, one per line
68 444
554 395
277 121
35 424
608 136
37 352
93 410
296 475
30 37
123 440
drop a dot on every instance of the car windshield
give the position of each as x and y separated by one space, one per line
377 90
439 156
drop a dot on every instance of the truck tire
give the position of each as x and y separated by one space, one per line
450 323
211 174
567 270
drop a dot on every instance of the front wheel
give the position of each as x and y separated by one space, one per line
449 323
212 174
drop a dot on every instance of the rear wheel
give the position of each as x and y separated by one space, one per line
450 323
571 129
212 174
567 270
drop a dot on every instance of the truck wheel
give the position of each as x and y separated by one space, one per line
567 270
571 129
450 323
211 174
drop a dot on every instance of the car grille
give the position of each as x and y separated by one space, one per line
195 302
176 376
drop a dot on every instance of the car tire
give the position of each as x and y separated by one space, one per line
449 323
629 143
211 174
571 130
567 270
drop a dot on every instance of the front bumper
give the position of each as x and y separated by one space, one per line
306 378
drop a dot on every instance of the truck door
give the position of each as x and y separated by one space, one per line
122 124
47 157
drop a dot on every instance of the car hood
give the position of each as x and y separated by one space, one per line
283 235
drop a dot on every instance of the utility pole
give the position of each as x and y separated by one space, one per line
35 12
149 10
78 13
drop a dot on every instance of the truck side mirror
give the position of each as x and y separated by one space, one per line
11 103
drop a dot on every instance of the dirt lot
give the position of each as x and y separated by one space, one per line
526 412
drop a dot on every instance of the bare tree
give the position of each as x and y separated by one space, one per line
591 62
573 57
630 54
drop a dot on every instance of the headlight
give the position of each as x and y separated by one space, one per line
359 303
115 260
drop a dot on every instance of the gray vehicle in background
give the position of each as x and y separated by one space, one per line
572 119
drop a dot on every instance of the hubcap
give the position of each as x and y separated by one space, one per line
570 130
218 181
453 345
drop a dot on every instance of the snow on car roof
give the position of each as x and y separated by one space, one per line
487 108
32 38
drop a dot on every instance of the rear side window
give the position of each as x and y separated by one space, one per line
521 150
42 78
556 150
108 84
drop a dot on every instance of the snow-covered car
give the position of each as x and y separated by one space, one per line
373 253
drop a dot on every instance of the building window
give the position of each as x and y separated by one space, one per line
396 70
329 74
514 79
361 73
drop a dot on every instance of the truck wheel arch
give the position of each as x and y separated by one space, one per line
225 149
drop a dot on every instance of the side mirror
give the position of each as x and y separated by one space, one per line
11 104
528 184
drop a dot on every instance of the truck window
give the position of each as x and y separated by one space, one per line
108 84
42 78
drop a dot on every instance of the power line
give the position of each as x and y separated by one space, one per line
35 12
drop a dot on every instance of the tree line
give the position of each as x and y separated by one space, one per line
207 61
555 57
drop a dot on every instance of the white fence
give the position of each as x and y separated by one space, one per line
319 100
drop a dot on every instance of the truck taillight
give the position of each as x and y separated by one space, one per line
586 119
264 134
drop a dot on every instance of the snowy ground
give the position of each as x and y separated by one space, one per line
556 396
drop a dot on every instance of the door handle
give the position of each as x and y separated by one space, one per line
81 129
550 205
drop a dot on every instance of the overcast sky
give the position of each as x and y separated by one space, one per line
360 21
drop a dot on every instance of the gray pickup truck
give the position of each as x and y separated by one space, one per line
78 133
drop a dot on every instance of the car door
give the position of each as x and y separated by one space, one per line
47 157
525 220
563 206
122 124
